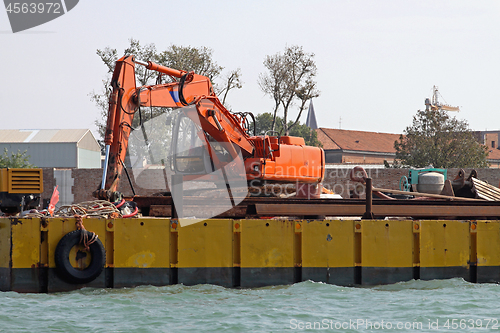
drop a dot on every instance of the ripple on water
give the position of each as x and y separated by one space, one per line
209 308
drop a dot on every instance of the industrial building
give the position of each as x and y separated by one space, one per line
54 148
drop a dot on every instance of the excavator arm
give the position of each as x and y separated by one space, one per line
268 158
126 99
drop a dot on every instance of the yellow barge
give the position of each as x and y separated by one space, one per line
247 253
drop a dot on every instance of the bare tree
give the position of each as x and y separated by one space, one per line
233 80
290 79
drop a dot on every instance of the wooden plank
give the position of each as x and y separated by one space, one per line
428 195
485 191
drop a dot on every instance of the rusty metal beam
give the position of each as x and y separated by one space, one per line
255 207
310 209
400 210
160 210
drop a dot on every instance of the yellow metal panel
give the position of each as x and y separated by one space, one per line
4 243
444 243
328 243
387 244
57 228
25 180
488 243
206 244
267 243
17 180
4 180
25 243
142 243
98 226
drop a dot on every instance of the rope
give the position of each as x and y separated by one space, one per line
94 208
35 215
84 236
99 208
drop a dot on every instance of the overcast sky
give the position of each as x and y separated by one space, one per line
377 60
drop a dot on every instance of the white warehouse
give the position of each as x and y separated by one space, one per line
64 148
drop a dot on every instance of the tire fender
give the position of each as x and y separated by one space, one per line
71 274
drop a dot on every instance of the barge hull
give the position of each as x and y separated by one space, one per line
253 253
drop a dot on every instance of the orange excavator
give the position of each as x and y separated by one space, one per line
265 158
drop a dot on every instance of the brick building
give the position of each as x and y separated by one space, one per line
357 147
491 139
372 148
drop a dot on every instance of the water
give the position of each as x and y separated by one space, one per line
416 306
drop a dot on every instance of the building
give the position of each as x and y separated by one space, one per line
357 147
372 148
491 139
66 148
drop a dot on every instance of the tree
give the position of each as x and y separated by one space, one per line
185 58
439 140
290 79
263 125
15 160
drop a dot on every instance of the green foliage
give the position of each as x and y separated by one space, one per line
15 160
439 140
189 59
263 125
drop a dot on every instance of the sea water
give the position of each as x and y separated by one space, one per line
415 306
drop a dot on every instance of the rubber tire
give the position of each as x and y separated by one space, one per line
63 266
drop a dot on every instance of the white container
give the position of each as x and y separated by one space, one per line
430 182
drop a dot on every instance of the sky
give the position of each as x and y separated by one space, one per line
377 60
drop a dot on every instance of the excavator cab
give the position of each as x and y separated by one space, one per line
194 151
175 143
189 155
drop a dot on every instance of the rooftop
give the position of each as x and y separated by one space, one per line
42 135
357 140
494 154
